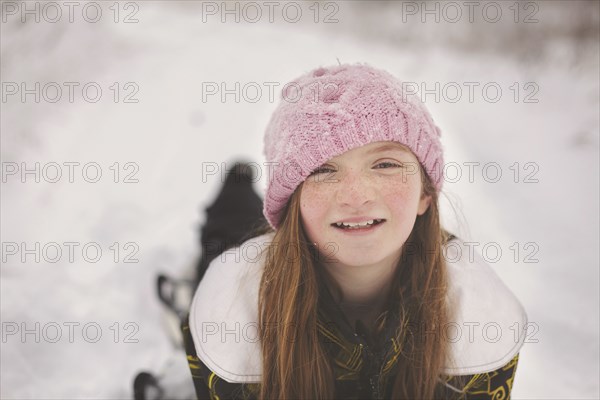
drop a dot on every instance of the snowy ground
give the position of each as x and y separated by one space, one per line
171 135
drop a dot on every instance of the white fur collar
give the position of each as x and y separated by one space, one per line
487 331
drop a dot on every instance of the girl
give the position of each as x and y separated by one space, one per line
354 290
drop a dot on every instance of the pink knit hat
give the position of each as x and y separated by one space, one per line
331 110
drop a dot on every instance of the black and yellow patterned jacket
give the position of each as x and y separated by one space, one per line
486 335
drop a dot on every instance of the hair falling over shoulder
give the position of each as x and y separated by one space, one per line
295 362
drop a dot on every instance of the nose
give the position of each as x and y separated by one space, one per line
355 190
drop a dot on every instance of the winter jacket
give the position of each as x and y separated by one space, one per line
485 334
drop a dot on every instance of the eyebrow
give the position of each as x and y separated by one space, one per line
387 147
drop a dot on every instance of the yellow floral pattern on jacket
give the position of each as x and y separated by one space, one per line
494 385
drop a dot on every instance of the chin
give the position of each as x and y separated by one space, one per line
356 260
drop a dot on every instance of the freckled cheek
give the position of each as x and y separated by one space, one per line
314 205
401 200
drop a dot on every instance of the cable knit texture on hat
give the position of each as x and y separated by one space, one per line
331 110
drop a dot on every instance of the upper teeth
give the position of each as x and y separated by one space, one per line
352 224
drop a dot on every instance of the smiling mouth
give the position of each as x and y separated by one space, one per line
357 225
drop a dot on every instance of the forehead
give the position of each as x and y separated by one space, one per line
385 146
375 148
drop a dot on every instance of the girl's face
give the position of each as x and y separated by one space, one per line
379 181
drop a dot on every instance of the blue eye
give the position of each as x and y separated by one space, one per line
389 164
322 170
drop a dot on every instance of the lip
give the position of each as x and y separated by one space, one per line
356 219
360 231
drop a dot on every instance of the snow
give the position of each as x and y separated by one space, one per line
173 136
